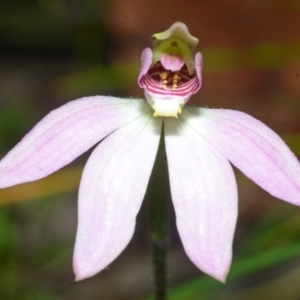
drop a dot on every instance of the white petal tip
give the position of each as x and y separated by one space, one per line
222 277
219 272
83 272
80 277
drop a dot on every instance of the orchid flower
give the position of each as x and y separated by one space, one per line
200 145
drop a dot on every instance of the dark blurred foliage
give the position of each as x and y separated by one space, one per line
53 51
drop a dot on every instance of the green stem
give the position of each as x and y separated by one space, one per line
158 194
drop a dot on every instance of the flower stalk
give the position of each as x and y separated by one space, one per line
158 196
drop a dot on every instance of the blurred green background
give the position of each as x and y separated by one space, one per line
54 51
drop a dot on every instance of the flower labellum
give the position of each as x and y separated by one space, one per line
199 142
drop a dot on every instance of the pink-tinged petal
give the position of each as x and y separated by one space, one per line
146 61
204 194
198 67
64 134
113 186
252 147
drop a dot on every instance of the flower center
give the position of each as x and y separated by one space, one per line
167 91
171 73
161 82
167 79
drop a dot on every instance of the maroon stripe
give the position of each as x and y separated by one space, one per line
183 90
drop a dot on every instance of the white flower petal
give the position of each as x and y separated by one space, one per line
64 134
113 186
204 194
252 147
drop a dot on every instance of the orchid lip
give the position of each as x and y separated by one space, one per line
166 82
159 81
